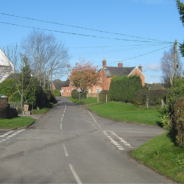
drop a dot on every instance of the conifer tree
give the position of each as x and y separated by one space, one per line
180 7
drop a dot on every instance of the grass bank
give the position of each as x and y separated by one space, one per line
89 100
16 122
127 112
162 155
41 111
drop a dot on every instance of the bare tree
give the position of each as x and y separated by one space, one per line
167 67
47 57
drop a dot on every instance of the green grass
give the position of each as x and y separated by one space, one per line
162 155
17 122
127 112
41 111
89 100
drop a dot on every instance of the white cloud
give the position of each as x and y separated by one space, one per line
154 67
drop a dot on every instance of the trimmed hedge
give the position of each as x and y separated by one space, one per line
102 96
154 96
124 88
75 94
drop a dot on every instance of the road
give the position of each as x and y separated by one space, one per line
73 145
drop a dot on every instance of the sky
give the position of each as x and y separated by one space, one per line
133 32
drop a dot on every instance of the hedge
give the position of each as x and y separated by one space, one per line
154 96
75 94
124 88
102 96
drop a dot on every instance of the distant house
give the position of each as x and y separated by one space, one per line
107 72
6 66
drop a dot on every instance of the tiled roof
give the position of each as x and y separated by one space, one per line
66 83
58 83
119 71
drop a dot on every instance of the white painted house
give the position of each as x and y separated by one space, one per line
6 66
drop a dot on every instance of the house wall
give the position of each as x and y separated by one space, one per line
137 72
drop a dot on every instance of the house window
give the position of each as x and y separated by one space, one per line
90 90
69 90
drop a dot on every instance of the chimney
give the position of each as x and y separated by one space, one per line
140 67
120 65
104 63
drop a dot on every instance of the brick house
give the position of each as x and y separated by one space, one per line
107 72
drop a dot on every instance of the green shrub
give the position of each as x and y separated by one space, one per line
56 92
7 87
124 88
179 121
15 97
75 94
102 96
154 96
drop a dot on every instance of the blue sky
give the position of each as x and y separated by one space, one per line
149 19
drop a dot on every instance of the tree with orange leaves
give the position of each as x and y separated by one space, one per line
84 75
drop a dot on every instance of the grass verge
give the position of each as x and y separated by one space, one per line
127 112
41 111
162 155
16 122
89 100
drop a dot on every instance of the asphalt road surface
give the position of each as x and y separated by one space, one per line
73 145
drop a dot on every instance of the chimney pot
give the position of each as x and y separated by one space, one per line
140 67
104 64
120 65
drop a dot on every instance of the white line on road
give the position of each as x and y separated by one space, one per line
65 150
6 134
11 135
61 126
75 175
121 139
95 120
113 141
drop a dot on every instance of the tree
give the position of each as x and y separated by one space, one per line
47 57
167 67
180 7
85 75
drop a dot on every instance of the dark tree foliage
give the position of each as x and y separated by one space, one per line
124 88
180 7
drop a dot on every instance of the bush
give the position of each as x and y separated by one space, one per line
102 96
7 87
15 97
179 121
154 96
75 94
56 92
124 88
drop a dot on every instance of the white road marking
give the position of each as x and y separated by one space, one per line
75 175
65 150
61 119
121 139
95 120
6 134
11 135
113 141
61 126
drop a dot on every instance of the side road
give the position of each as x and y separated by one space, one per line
72 145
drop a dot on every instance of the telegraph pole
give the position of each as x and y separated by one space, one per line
175 59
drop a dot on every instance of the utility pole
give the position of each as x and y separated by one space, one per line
175 59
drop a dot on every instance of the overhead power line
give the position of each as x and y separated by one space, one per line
80 27
18 25
142 54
